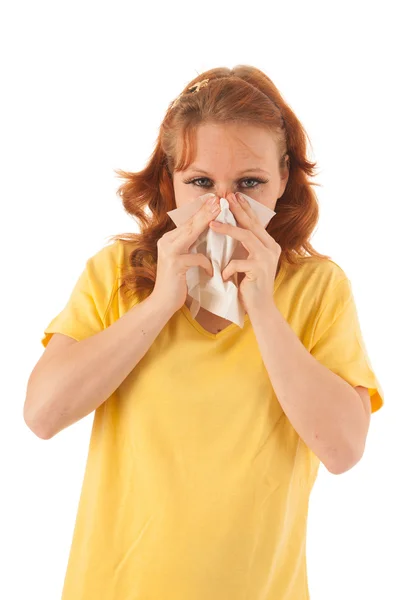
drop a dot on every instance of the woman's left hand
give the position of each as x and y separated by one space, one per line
257 286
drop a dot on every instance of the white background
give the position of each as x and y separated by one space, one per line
85 87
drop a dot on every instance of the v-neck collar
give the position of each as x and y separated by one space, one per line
216 336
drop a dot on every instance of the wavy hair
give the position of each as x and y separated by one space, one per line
243 94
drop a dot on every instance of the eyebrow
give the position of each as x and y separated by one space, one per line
194 168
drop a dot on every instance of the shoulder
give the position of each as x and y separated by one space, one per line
101 274
106 257
107 267
317 282
112 257
322 270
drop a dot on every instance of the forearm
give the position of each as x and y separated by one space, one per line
325 410
83 375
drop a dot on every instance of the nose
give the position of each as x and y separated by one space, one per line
223 192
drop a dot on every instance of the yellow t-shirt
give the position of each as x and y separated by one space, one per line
196 484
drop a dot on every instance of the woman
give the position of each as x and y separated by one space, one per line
207 437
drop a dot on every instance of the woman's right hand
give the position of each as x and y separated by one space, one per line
174 259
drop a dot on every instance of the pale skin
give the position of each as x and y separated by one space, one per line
224 152
330 415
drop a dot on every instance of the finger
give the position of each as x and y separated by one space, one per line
242 210
249 240
250 220
196 260
237 266
187 233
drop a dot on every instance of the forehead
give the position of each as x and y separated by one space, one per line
234 145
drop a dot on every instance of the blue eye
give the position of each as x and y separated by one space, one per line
254 179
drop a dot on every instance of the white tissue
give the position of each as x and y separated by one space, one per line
213 293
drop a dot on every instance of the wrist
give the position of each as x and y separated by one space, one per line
261 312
158 306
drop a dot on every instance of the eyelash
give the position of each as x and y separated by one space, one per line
259 181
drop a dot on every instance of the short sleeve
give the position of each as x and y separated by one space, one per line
84 313
339 345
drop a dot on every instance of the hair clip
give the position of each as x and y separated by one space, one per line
193 89
198 85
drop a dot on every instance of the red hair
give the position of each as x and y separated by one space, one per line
245 95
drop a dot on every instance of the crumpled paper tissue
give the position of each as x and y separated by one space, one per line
213 293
